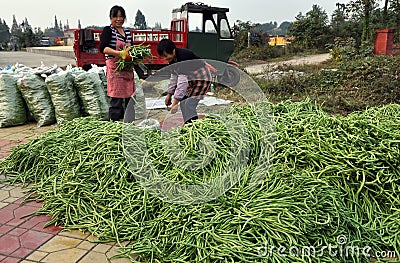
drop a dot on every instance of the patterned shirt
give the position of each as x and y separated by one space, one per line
191 79
108 38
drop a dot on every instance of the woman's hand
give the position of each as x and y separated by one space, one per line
168 100
124 54
174 107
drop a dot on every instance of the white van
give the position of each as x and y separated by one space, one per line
45 42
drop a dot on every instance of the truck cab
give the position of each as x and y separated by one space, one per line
208 32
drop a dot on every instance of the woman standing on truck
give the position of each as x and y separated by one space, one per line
120 84
189 81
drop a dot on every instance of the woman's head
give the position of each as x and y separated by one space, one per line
117 16
166 49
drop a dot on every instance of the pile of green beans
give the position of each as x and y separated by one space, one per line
329 176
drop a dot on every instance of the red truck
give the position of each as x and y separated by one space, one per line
199 27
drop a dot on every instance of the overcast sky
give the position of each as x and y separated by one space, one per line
40 13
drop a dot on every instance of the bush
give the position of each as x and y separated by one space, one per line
345 49
259 53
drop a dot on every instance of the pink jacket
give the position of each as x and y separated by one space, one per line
178 85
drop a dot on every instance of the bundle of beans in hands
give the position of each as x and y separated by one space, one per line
137 53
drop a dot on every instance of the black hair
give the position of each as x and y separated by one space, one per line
114 11
165 45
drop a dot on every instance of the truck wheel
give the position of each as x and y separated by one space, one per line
142 72
86 67
230 77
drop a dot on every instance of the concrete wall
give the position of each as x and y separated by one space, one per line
63 51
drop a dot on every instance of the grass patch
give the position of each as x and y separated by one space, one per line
352 86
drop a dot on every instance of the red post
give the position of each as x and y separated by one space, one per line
384 42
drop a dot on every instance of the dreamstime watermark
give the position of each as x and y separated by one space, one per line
339 250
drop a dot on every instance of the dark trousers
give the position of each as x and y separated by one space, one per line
120 107
188 108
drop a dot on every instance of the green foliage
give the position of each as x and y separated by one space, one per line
264 52
343 27
362 10
267 27
344 50
366 49
56 23
240 32
95 27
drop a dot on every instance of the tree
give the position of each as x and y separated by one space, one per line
25 24
27 38
157 25
5 34
140 20
284 26
338 15
385 11
396 6
240 32
362 10
342 27
391 15
38 36
269 28
16 31
15 28
55 22
66 27
312 30
21 34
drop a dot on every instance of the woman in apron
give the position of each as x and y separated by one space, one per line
120 84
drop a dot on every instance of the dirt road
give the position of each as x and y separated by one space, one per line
32 59
312 59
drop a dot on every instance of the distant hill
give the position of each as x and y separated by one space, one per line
272 28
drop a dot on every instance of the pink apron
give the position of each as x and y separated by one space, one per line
120 84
